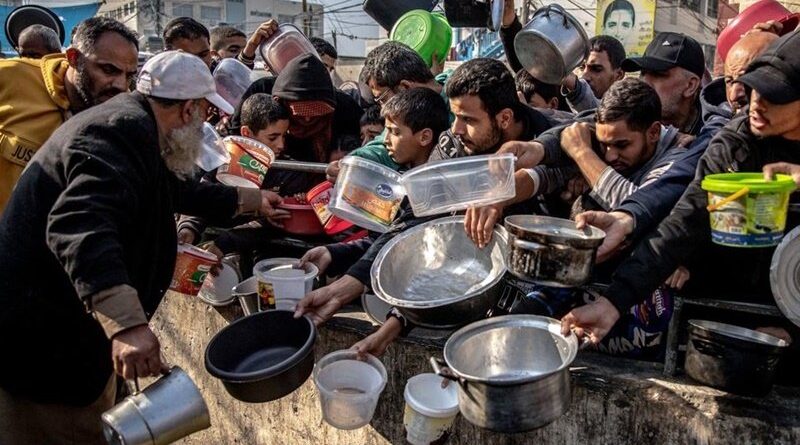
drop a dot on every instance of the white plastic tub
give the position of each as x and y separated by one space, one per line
281 284
430 409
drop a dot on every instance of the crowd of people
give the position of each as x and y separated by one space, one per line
98 183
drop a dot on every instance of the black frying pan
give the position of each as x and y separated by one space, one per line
27 15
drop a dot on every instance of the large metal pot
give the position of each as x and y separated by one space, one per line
732 358
551 251
512 371
437 277
552 44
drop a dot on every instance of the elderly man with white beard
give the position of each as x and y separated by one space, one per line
88 246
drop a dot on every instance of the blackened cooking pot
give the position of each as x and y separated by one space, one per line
732 358
551 251
264 356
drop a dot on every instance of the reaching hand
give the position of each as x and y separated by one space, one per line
793 170
529 153
479 223
136 352
319 256
678 278
320 305
332 171
377 342
186 236
263 33
508 13
576 138
617 225
594 319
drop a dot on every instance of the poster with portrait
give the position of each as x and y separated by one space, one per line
630 21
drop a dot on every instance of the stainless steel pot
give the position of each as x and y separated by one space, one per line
437 277
551 251
166 411
552 44
512 371
732 358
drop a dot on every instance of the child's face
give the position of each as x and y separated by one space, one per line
370 132
274 136
405 146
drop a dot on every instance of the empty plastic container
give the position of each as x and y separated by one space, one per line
284 46
212 153
249 161
424 32
349 389
232 79
456 184
366 194
281 284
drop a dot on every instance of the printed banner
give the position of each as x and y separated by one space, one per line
630 21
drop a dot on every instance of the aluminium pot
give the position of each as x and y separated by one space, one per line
732 358
552 44
512 371
264 356
551 251
437 277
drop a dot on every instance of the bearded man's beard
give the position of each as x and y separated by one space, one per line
181 146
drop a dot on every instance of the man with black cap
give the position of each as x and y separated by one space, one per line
766 138
673 64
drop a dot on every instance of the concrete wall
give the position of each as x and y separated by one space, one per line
614 401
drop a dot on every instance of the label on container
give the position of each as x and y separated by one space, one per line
379 204
320 205
190 272
266 295
754 220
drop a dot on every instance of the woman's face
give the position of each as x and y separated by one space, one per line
619 25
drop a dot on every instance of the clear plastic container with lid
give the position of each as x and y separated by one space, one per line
284 46
367 194
456 184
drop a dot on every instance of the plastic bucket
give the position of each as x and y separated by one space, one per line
349 389
303 220
192 264
249 162
756 217
281 285
430 409
424 32
758 12
319 197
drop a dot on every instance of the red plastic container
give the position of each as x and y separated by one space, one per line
761 11
318 198
304 220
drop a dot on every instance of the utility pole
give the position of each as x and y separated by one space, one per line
305 19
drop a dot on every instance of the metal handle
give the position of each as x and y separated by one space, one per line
299 166
440 368
560 9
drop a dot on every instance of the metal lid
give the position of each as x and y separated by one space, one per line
784 276
738 333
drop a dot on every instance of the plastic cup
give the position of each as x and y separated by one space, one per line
192 264
430 409
281 285
349 389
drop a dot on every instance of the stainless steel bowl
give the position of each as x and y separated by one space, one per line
437 277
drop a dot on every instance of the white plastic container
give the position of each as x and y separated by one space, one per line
232 79
366 194
430 409
281 284
349 389
457 184
213 153
284 46
218 290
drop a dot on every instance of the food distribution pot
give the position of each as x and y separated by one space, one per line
732 358
552 44
437 277
551 251
512 371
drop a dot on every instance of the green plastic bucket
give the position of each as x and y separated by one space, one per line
757 218
426 33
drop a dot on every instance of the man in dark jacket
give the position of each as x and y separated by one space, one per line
768 135
87 250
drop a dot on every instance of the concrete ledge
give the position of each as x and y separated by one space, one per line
615 401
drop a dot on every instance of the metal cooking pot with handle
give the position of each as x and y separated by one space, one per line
512 371
551 251
552 44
